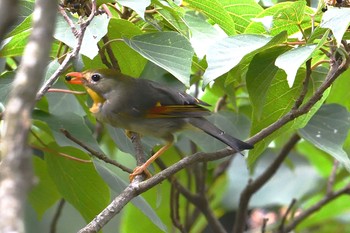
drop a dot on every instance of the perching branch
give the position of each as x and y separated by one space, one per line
15 168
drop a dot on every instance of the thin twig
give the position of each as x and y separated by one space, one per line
305 87
332 176
264 224
328 198
174 208
256 184
48 84
69 21
109 50
284 218
67 91
57 215
97 154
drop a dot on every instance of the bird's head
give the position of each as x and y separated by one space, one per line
98 83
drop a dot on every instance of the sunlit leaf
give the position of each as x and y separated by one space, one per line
215 11
338 20
94 32
169 50
328 129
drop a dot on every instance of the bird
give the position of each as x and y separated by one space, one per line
147 108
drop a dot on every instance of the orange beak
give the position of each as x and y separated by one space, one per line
75 78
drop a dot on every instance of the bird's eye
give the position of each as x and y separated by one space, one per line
68 78
95 77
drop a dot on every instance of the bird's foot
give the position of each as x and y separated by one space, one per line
138 171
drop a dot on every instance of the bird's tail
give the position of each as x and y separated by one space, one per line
214 131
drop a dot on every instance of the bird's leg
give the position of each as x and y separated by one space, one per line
143 168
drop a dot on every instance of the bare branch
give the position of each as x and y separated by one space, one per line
333 74
16 169
256 184
284 218
328 198
332 176
56 217
48 84
97 154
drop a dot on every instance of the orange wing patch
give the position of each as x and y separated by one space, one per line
171 111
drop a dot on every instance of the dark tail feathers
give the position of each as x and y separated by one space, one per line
214 131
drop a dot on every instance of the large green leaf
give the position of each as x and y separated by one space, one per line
129 61
279 101
285 16
173 16
14 46
203 34
24 26
241 69
169 50
94 32
241 11
228 52
293 59
260 73
328 129
44 193
139 6
215 11
338 20
78 183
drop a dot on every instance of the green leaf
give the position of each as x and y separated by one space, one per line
215 11
293 59
328 129
6 80
26 25
169 50
242 67
94 32
78 182
260 73
279 100
130 62
285 16
44 194
118 185
139 6
14 46
73 123
228 52
203 34
338 20
173 16
241 12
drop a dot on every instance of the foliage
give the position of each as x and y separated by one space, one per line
268 74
